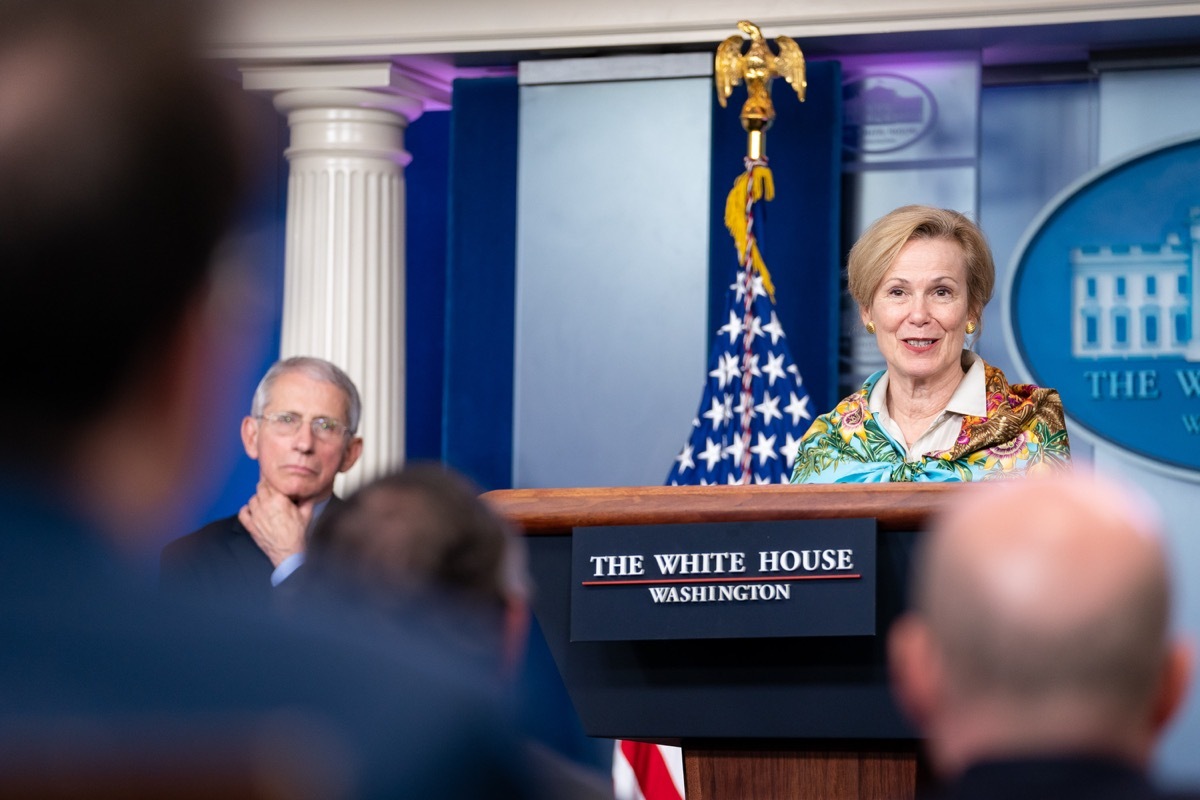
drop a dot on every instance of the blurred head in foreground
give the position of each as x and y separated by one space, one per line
420 543
121 167
1040 627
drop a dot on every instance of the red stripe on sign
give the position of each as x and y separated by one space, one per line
751 579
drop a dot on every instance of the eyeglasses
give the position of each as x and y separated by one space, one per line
285 423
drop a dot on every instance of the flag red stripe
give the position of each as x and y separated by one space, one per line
653 778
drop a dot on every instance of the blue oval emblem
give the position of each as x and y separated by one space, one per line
1102 304
883 113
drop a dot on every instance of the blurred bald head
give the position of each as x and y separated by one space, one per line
1040 625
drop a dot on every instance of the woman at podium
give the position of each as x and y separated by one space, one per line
921 277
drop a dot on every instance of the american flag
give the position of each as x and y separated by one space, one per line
644 771
752 414
754 408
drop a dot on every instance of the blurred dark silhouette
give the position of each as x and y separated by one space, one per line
1038 659
422 534
122 164
419 547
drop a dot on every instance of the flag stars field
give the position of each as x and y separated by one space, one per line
737 448
774 328
733 327
774 368
769 408
711 454
727 370
684 459
765 448
798 408
751 374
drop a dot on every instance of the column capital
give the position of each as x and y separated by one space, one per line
381 85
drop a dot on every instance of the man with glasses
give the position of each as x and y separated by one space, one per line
301 431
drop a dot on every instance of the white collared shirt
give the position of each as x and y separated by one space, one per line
969 399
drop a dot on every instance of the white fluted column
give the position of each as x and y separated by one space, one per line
344 255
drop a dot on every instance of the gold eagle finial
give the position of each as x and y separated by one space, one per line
758 66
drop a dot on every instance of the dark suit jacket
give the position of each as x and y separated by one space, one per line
96 664
1056 778
218 563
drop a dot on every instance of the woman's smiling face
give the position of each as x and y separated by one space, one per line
920 311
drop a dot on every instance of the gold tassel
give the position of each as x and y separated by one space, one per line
761 182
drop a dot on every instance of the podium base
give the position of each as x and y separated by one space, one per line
764 770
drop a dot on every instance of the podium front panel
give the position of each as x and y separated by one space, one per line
791 688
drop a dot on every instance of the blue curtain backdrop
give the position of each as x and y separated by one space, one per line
481 262
426 181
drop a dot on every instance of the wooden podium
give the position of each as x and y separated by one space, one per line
758 718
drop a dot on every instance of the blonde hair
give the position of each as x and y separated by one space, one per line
879 245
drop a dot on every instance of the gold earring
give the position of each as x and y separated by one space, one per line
971 326
870 327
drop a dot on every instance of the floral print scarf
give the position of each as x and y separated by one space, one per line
1023 432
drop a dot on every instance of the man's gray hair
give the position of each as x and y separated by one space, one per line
319 370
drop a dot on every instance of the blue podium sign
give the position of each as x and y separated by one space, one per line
724 580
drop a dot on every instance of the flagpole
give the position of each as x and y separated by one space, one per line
747 262
757 67
719 448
